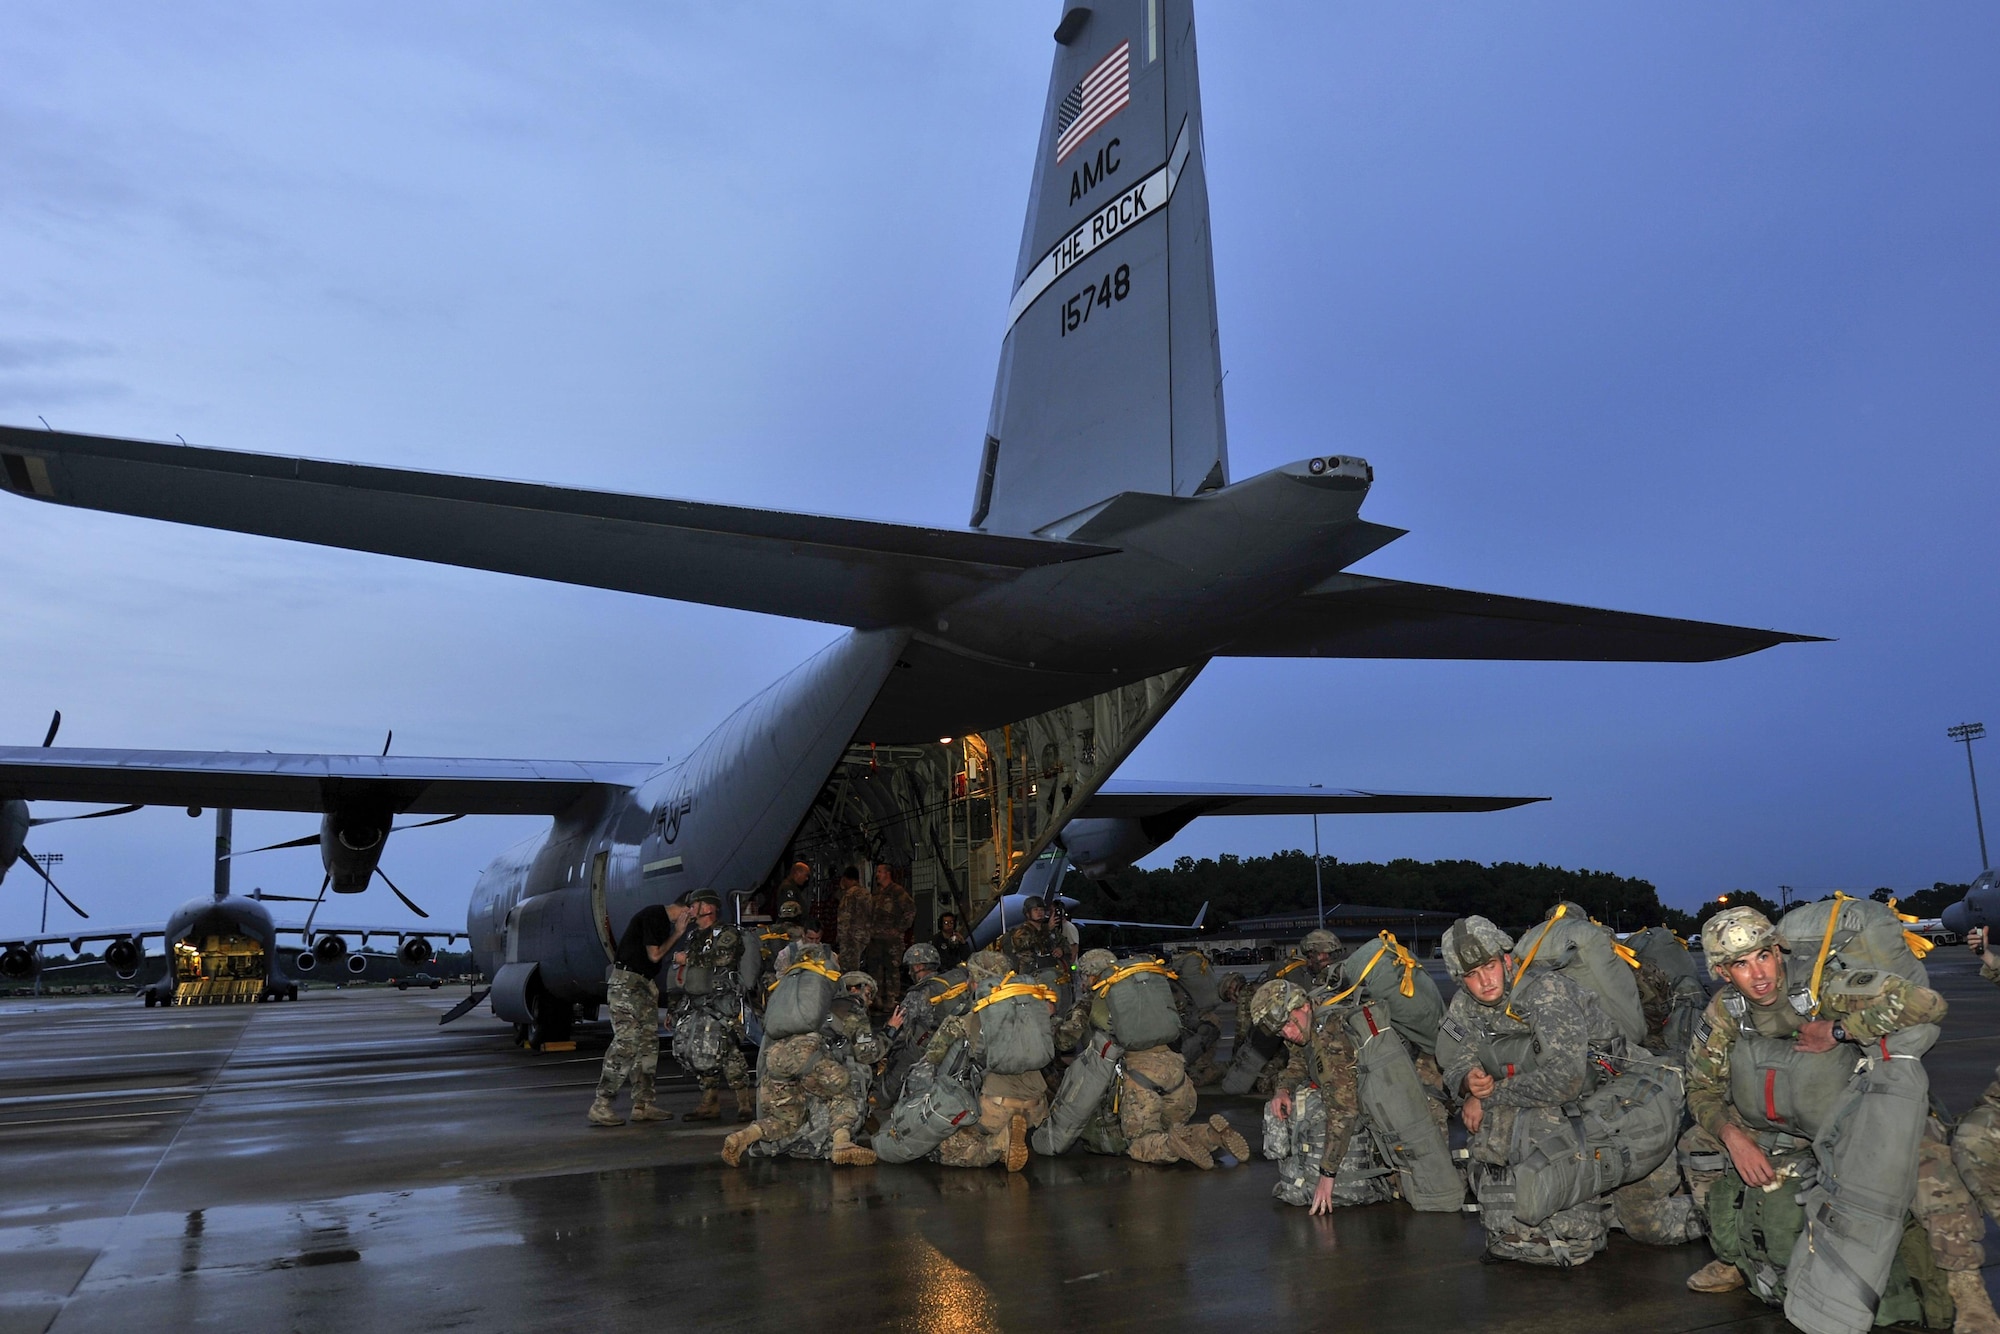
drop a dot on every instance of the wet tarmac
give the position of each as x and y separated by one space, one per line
342 1163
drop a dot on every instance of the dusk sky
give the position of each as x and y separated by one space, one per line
1689 309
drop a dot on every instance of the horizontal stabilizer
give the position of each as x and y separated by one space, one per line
1356 616
261 781
1141 801
851 572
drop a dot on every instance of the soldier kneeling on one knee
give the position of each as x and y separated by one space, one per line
1804 1087
814 1086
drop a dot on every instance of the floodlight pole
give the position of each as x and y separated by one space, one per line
1319 894
47 859
1969 733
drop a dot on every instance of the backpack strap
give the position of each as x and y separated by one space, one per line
1113 978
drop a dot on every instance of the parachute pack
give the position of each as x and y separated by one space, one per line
1664 950
1015 1024
1387 975
1197 977
804 995
1568 941
934 1103
699 1041
1398 1112
1617 1134
1084 1086
1139 998
1847 934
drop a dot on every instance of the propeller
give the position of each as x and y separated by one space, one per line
87 815
263 897
408 902
55 725
41 871
308 929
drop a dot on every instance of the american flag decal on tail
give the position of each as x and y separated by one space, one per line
1100 95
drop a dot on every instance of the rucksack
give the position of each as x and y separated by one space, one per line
1084 1086
1015 1024
1388 975
1197 976
1140 1000
1843 933
933 1105
804 995
1398 1112
1568 941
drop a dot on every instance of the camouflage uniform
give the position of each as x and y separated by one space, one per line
1942 1205
1975 1148
924 1006
892 912
812 1092
1002 1097
1313 1140
720 948
856 925
1033 950
771 943
1202 1024
1566 1024
634 1053
1249 1040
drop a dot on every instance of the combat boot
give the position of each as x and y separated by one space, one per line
708 1109
846 1152
601 1114
746 1105
1191 1143
1975 1307
650 1111
1017 1142
733 1147
1716 1276
1233 1144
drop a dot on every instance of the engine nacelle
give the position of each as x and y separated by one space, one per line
1979 908
306 961
357 964
125 955
13 833
415 952
350 844
330 949
18 964
1096 848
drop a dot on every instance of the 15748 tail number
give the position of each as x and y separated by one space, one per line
1116 286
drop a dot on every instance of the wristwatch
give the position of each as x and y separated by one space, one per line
1840 1032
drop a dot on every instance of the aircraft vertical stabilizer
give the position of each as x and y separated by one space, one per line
1110 372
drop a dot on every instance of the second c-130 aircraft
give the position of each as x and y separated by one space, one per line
993 677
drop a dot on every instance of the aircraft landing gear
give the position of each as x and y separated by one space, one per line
555 1022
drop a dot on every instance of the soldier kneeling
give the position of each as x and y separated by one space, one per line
1128 1092
1571 1133
814 1083
1811 1131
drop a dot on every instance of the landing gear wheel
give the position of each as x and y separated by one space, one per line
555 1021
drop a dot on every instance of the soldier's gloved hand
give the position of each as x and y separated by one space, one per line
1281 1104
1322 1197
1480 1084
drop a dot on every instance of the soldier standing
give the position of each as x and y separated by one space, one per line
1744 949
856 923
1037 946
634 1005
1316 1104
952 945
892 913
815 1087
717 948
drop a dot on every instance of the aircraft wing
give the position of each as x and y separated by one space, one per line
259 780
842 571
74 941
1119 799
1358 616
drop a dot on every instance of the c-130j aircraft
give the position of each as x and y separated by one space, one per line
992 677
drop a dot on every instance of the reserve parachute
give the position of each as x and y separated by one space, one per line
1084 1087
933 1105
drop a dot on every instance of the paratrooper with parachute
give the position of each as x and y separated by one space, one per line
1257 1057
708 1026
818 1044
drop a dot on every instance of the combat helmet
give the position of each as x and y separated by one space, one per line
850 982
921 955
1096 963
1736 933
1230 986
791 910
1323 941
704 895
1471 943
1274 1003
988 962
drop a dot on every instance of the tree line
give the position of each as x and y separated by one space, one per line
1513 894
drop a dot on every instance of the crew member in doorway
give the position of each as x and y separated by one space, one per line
954 947
634 1003
856 923
793 886
893 912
